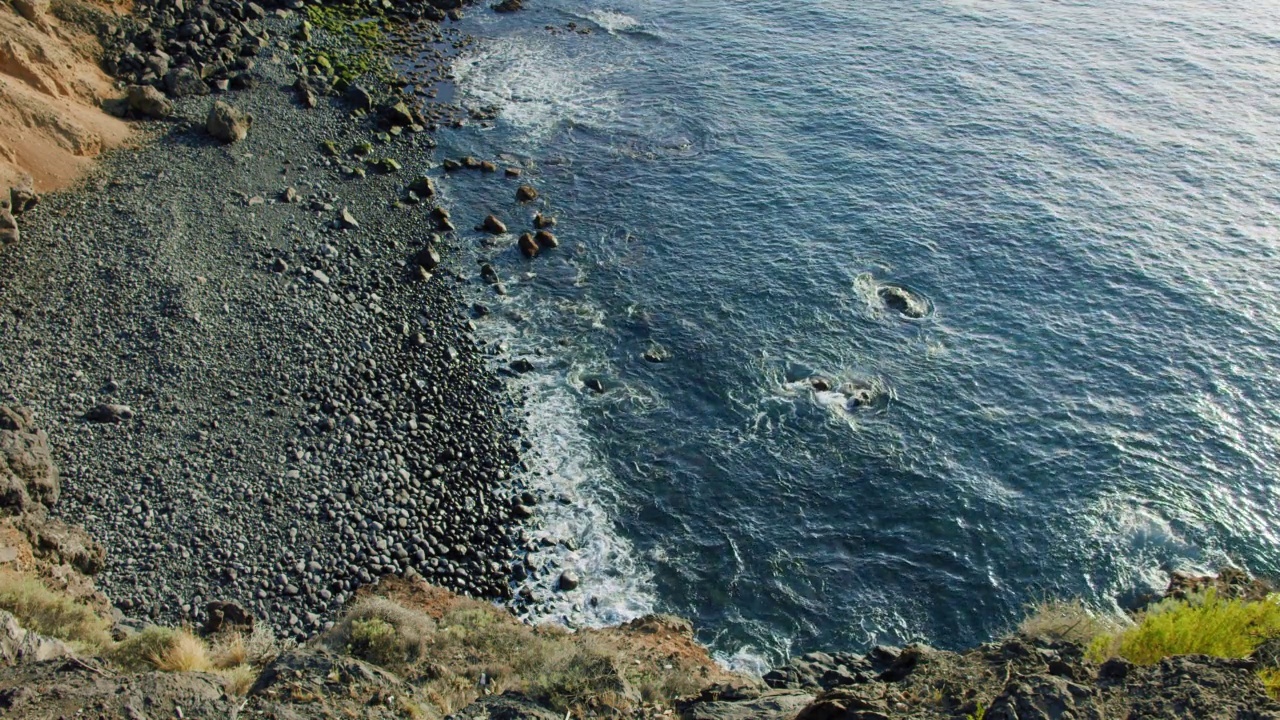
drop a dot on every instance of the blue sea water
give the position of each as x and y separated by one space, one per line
1087 193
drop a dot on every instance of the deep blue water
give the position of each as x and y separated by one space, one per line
1086 193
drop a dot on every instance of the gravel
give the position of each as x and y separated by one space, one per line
306 408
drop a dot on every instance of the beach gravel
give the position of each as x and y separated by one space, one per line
261 401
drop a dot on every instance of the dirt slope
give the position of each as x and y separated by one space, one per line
51 121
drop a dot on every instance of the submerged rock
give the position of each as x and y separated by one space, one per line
903 301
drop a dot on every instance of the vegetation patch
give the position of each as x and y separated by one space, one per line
360 47
1199 625
1207 625
44 611
1069 621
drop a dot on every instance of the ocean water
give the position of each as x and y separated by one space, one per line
1085 197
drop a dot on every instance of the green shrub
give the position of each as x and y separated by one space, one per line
44 611
1200 626
382 632
375 640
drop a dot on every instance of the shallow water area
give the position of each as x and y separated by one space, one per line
1078 196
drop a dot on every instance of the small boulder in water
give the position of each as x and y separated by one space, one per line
546 239
493 225
541 221
903 301
657 354
569 580
820 384
526 193
528 246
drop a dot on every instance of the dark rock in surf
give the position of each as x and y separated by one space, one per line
508 6
568 580
493 225
541 221
546 239
657 354
528 245
903 301
526 193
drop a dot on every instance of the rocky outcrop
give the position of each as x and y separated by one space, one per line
31 539
28 476
1017 678
18 645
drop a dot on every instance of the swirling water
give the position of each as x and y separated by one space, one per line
1086 193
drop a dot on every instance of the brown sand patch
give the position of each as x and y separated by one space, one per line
51 91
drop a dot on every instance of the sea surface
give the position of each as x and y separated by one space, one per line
1084 198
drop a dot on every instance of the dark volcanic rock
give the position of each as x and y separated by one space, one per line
220 616
109 413
527 245
27 473
526 193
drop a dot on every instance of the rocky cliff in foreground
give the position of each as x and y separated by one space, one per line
407 649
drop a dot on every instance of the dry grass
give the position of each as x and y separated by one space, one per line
382 632
164 649
44 611
259 648
476 649
1070 621
239 679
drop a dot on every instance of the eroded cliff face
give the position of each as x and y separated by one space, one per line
52 124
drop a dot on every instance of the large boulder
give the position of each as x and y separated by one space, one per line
28 477
22 199
493 225
769 705
147 101
508 706
227 123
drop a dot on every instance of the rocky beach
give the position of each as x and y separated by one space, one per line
254 365
247 418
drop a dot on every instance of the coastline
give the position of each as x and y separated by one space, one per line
265 348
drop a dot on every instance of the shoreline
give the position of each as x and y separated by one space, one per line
262 387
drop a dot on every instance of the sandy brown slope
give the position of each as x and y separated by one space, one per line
51 90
